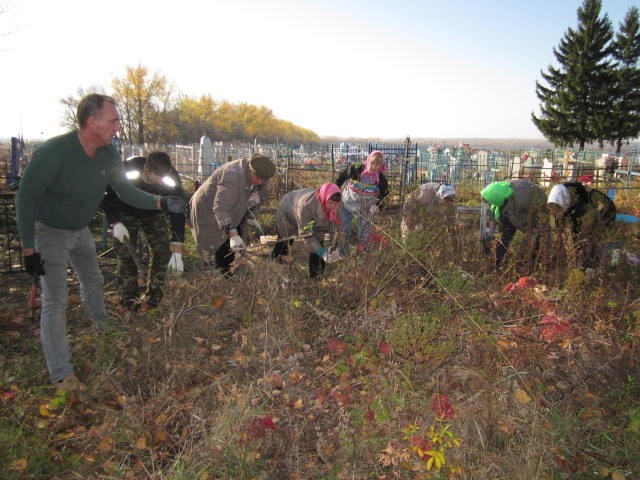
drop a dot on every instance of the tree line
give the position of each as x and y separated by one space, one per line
152 113
593 93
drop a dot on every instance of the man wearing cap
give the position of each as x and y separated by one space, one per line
587 211
426 203
226 203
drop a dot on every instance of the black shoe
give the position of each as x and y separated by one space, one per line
129 303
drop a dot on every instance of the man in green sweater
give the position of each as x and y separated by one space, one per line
59 193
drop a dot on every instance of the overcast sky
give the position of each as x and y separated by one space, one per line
350 68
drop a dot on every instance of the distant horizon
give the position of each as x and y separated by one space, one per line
513 142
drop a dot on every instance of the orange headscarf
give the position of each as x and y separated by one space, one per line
324 193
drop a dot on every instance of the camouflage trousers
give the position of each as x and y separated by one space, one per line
154 227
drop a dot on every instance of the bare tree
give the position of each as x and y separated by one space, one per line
70 103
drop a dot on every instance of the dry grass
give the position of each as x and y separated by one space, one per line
187 391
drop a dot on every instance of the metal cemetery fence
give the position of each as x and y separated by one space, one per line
407 165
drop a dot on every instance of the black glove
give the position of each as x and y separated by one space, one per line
173 205
34 264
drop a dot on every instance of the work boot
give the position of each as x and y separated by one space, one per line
70 383
129 303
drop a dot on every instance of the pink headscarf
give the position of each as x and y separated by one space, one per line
367 164
324 193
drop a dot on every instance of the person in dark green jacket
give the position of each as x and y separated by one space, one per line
59 193
588 213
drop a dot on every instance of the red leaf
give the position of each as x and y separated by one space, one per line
370 416
385 348
549 318
558 330
268 422
377 238
320 394
523 283
441 406
7 395
341 398
256 428
424 444
540 305
336 346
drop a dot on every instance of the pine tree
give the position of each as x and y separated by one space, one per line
624 123
576 98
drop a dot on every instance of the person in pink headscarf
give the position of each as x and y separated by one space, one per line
308 213
365 189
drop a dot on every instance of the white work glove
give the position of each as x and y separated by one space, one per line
254 223
374 209
120 232
489 232
175 263
334 256
237 244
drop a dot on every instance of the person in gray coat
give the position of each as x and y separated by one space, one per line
425 204
308 213
516 205
227 202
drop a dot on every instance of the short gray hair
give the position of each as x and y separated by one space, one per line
90 105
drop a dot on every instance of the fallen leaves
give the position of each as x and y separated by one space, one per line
521 396
393 455
276 381
18 465
552 327
441 406
257 428
336 346
385 348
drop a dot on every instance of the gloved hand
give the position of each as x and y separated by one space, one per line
374 209
237 244
175 263
334 256
173 205
255 224
34 264
120 232
488 233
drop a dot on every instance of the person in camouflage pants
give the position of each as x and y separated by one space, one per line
153 174
130 280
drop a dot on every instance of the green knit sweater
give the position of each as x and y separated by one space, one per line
62 187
